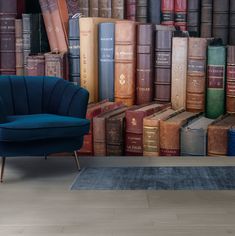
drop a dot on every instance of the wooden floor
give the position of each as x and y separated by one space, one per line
36 200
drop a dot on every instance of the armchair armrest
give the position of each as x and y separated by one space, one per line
2 111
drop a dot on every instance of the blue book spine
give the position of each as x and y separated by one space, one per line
106 61
231 142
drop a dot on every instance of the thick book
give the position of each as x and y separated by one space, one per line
170 133
162 63
118 9
94 109
181 14
179 72
131 10
84 7
19 47
206 18
35 65
56 65
196 77
89 54
73 7
99 130
231 142
218 136
167 12
232 23
74 49
142 11
125 62
193 18
94 8
193 137
220 28
49 26
105 8
106 61
134 127
216 69
154 12
151 132
145 49
8 12
230 82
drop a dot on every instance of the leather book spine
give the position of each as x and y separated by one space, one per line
144 93
35 65
196 77
58 27
154 12
105 8
232 23
73 7
131 10
181 14
193 19
231 142
142 11
163 52
26 37
215 104
118 9
220 27
8 12
56 65
167 12
49 26
206 18
19 47
230 88
106 61
94 8
84 7
125 62
179 72
21 4
74 50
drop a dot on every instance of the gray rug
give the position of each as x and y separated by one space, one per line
156 178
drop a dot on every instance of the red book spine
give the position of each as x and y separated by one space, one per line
167 12
131 10
181 14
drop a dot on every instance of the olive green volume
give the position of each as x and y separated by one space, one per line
215 104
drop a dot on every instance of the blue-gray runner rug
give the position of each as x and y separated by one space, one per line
156 178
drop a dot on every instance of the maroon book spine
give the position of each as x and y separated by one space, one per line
181 14
131 9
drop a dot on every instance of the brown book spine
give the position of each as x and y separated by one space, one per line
131 10
105 8
142 11
84 7
19 47
49 26
58 26
196 78
163 51
144 64
206 18
118 9
232 23
94 8
125 62
56 64
35 65
231 80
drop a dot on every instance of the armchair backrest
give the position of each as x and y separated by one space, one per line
22 95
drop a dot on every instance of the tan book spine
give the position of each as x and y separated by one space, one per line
179 72
19 47
125 62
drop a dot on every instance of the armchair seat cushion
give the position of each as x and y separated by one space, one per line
42 126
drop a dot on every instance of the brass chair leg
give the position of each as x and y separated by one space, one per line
2 168
77 160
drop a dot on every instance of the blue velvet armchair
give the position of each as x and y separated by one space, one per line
41 116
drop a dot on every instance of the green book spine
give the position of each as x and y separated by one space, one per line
215 104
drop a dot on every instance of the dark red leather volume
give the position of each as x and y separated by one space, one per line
35 65
181 14
8 12
163 51
144 64
167 12
231 80
131 10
